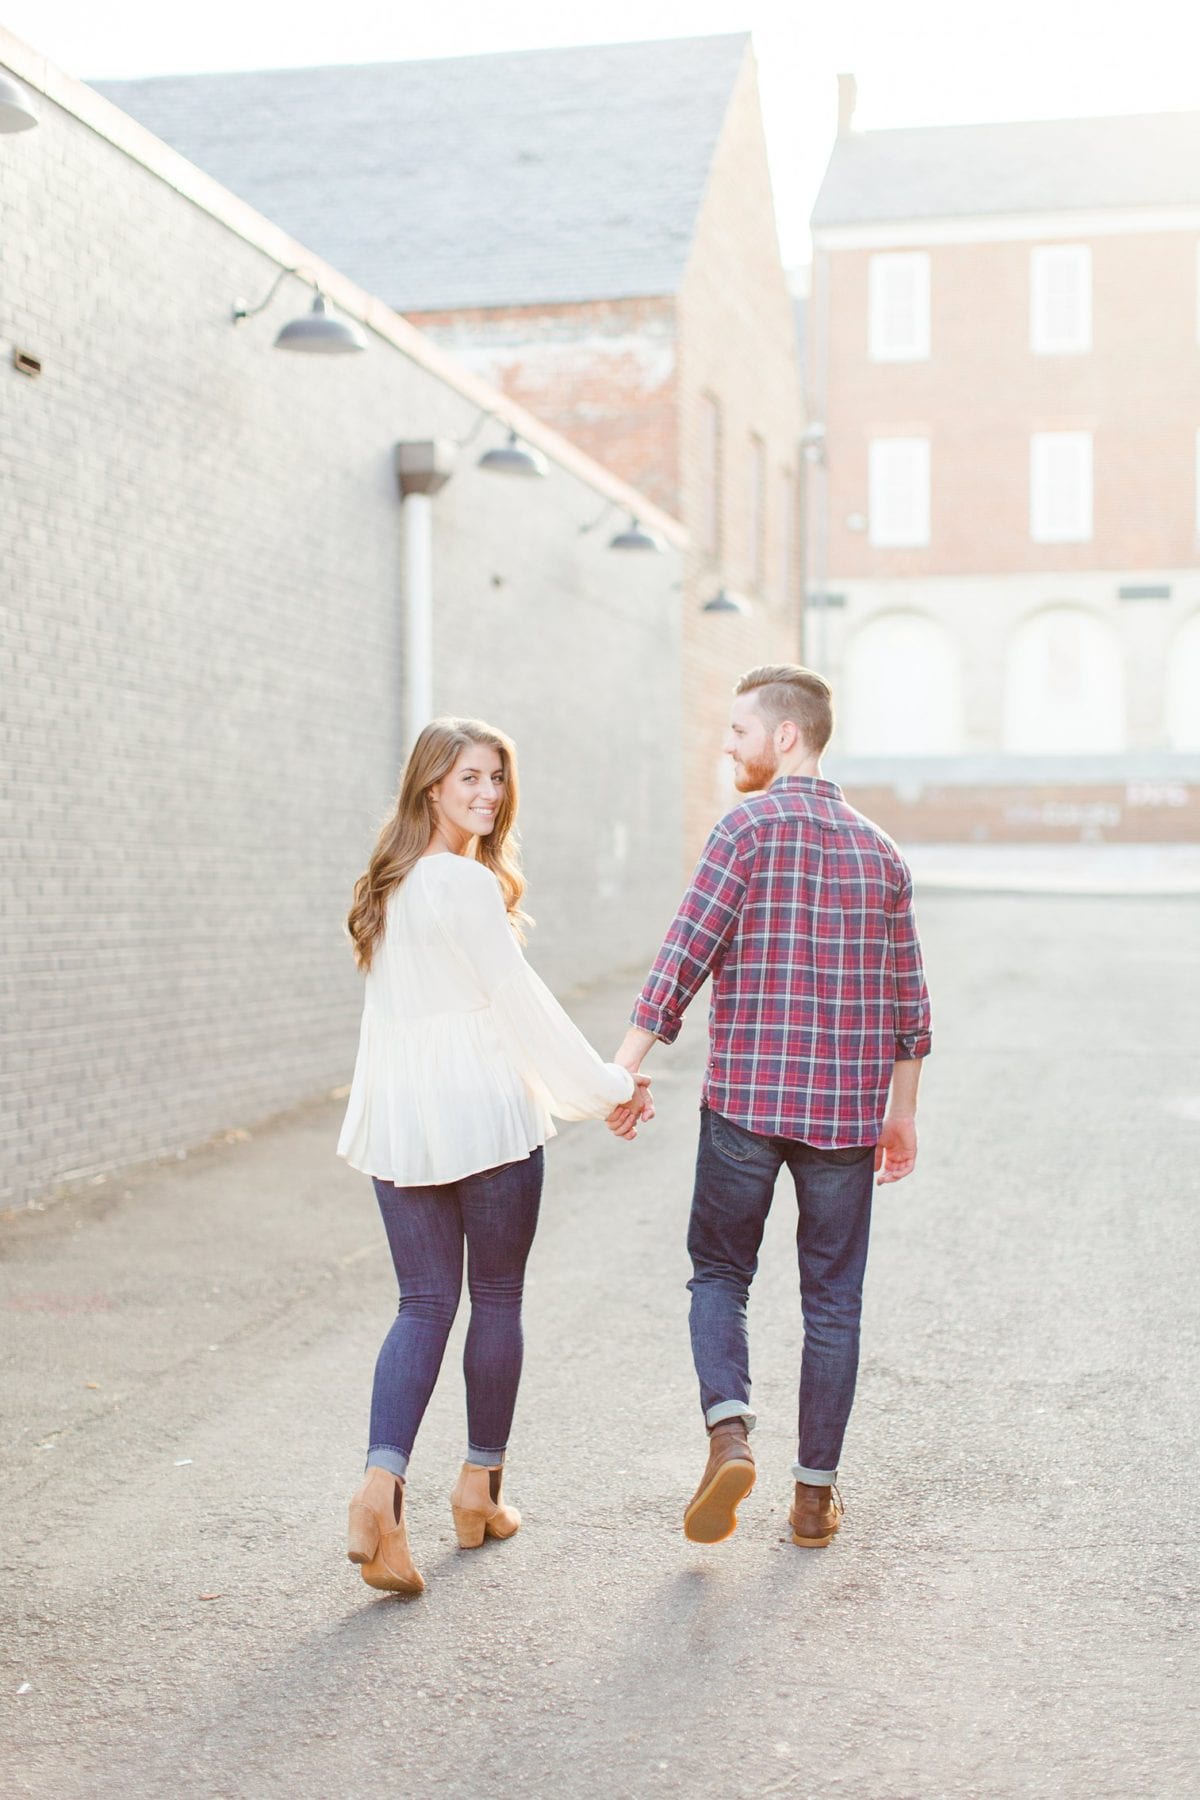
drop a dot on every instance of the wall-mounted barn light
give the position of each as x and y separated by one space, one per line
17 111
514 458
315 333
723 601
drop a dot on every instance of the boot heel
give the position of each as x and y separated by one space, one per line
470 1527
364 1535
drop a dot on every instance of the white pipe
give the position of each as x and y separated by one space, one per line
418 610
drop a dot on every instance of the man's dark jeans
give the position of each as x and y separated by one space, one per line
736 1172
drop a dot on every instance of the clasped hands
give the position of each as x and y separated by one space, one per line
623 1120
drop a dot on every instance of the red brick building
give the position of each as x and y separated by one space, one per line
1004 353
594 230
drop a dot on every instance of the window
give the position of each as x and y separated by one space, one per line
898 307
756 512
1060 487
710 474
898 491
1060 291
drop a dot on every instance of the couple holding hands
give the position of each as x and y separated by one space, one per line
800 910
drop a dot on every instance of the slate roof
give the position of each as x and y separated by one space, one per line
537 176
1049 165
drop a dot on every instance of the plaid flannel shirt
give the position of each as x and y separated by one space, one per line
801 911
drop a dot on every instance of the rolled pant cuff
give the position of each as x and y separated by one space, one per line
486 1459
386 1456
814 1477
730 1409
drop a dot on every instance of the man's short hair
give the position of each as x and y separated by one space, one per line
785 691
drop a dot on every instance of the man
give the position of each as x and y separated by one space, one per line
801 911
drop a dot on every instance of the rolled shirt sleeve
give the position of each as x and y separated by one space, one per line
913 1035
555 1059
698 938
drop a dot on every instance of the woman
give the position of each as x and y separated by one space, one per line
463 1056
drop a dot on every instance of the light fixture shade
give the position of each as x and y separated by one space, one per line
635 537
318 333
17 111
514 458
725 602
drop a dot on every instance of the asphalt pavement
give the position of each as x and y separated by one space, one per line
1010 1609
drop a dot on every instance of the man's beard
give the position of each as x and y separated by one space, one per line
753 774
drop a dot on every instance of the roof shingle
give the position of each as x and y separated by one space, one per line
516 179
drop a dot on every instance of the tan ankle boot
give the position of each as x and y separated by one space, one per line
378 1540
478 1509
815 1515
727 1479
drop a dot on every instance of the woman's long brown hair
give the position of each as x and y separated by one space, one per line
405 836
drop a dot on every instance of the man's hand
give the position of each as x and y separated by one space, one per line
896 1151
623 1120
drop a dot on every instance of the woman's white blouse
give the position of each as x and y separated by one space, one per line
464 1053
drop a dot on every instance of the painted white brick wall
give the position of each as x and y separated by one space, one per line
201 657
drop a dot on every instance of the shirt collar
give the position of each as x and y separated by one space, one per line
806 784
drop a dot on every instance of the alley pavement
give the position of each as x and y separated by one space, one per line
1010 1609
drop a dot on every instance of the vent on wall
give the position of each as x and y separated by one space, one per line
1152 591
25 364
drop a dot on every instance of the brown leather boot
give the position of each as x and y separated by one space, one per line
815 1516
378 1538
712 1515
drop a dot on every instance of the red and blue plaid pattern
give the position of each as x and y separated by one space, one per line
801 911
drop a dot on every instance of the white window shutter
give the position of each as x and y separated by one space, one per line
1060 299
898 307
898 491
1060 487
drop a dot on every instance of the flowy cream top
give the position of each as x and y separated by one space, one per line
464 1053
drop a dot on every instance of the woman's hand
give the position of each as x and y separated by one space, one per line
623 1120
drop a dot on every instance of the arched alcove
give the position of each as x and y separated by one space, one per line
1064 688
1183 687
902 689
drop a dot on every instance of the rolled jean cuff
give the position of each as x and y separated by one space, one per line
386 1456
814 1477
487 1459
730 1409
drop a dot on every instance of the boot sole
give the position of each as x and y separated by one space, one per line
712 1516
815 1543
387 1582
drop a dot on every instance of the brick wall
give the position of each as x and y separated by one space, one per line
603 373
201 657
1141 800
737 346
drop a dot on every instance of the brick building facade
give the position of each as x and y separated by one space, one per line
1004 353
593 231
202 648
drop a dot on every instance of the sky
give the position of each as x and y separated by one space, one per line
927 62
